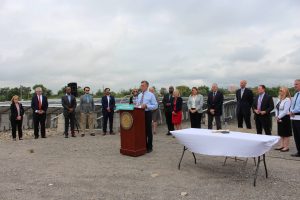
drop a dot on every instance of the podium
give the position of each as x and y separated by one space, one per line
133 133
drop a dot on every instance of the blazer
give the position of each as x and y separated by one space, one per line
283 107
267 104
198 103
35 103
215 103
244 103
66 104
87 107
105 105
168 99
178 106
14 111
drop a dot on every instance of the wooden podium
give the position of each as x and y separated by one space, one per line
133 135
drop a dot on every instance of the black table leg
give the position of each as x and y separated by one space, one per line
257 167
266 170
184 149
194 158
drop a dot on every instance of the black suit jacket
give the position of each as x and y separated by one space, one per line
178 106
168 98
35 103
267 104
14 111
245 103
105 105
66 104
215 103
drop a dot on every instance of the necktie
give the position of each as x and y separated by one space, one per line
142 99
242 92
40 103
69 98
259 102
295 101
214 95
87 98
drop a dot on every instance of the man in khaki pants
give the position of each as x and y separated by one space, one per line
87 108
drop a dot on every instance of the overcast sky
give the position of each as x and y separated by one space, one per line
118 43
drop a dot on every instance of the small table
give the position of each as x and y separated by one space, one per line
233 144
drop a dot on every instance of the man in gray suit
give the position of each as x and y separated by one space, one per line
69 104
87 108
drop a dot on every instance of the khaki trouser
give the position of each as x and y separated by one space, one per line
89 117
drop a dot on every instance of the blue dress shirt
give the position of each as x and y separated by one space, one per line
148 99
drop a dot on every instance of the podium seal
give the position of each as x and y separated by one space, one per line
126 120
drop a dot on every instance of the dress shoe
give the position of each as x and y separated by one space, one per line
104 133
14 139
149 150
285 150
295 155
44 137
36 137
92 134
112 133
66 136
279 148
73 135
168 134
20 138
82 134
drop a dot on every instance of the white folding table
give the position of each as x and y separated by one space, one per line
232 144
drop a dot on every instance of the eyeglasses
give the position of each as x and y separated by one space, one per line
87 90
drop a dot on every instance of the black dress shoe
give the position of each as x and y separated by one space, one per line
20 138
104 133
149 150
112 133
73 135
82 135
14 139
295 155
44 137
285 150
36 137
92 134
168 134
66 136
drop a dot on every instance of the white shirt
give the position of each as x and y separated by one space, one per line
284 107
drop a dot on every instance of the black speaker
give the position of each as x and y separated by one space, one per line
73 87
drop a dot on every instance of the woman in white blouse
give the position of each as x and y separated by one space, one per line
283 119
195 104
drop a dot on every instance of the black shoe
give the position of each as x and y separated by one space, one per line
295 155
14 139
44 137
66 136
82 135
284 150
279 148
73 135
92 134
20 138
36 137
168 134
149 150
112 133
104 133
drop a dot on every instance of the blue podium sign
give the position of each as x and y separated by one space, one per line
124 106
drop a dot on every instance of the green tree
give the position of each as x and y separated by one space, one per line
203 89
185 91
163 91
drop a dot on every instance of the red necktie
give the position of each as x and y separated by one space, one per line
40 103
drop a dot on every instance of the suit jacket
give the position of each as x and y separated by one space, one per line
87 107
35 103
198 103
245 103
168 99
178 106
14 111
67 104
105 105
267 104
215 103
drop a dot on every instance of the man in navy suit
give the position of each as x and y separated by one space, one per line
244 98
108 105
262 107
39 105
69 104
214 106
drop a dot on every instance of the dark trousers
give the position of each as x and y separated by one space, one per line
69 121
108 116
169 121
217 119
148 126
296 131
263 122
195 119
14 125
244 115
39 120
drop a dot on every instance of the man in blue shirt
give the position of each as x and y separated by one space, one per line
295 116
147 101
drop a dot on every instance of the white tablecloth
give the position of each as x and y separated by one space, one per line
204 141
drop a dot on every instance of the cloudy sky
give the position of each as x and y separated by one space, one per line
118 43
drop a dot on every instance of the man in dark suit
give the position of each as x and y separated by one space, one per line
108 105
39 105
69 104
214 106
244 98
167 102
262 107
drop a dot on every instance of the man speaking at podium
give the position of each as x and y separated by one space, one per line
147 101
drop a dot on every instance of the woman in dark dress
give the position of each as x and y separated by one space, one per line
16 117
283 119
177 110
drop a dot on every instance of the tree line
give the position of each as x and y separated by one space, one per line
26 93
